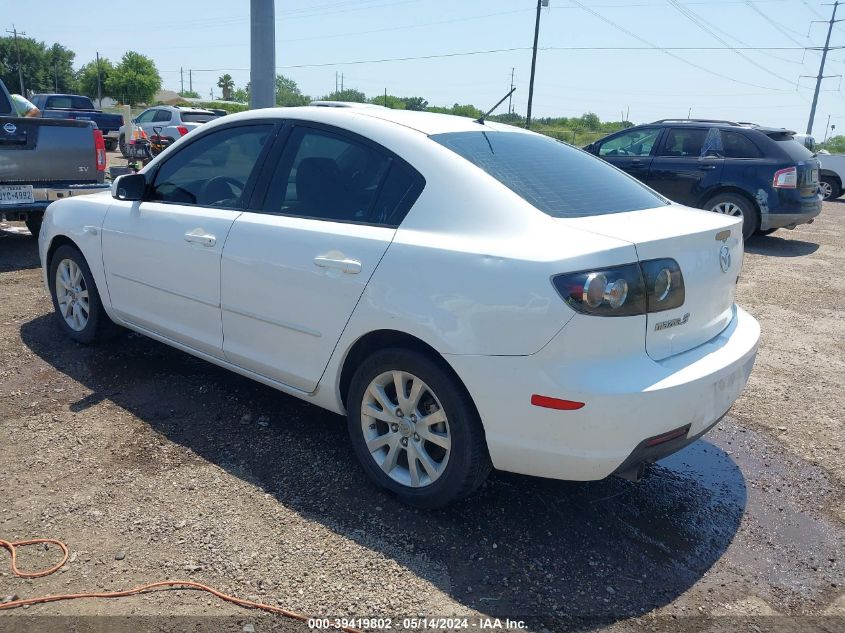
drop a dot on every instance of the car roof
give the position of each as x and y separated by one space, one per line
719 124
427 123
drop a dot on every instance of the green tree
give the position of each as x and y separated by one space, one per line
134 80
60 60
35 65
396 103
349 94
288 93
227 85
241 95
87 77
415 103
190 94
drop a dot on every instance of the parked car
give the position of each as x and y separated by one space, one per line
762 175
832 175
42 160
170 122
81 108
468 293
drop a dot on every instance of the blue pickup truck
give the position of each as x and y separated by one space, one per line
80 108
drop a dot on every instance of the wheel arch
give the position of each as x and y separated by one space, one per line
739 191
57 242
381 339
831 174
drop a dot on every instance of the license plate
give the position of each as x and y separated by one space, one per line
814 175
16 194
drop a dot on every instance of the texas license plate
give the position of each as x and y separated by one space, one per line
16 194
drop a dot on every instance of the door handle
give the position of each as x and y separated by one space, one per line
708 167
201 238
350 266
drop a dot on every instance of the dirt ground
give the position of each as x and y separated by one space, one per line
153 465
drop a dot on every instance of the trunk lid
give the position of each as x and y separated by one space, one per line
707 246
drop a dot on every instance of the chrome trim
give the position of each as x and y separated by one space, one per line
276 322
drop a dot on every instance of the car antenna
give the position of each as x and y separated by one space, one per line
491 110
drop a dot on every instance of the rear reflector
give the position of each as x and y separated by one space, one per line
555 403
667 437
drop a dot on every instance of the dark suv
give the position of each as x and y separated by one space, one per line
762 174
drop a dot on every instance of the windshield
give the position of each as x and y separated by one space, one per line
197 117
556 178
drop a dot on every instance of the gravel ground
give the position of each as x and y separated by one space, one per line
153 465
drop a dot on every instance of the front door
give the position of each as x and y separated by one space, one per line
162 254
631 151
293 273
688 164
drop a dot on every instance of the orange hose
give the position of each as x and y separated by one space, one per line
12 546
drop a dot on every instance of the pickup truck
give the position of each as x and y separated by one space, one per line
831 175
80 108
43 160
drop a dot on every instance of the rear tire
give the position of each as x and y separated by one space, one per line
429 455
111 144
121 144
76 301
830 187
33 223
736 206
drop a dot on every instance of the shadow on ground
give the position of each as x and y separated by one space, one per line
520 547
18 251
776 246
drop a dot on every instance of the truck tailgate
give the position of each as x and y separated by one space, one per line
35 150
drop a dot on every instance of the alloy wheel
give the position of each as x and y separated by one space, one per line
728 208
72 295
825 189
406 429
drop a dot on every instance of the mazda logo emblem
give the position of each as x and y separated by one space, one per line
725 258
11 128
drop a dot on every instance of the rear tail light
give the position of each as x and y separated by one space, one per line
100 150
786 178
182 130
650 286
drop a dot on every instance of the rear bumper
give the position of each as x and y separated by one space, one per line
790 211
628 398
45 195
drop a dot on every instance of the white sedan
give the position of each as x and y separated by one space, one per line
470 295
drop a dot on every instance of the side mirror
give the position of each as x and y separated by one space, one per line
129 187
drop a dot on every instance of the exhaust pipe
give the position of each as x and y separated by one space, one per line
635 473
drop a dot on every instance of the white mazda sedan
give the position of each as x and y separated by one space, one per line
470 295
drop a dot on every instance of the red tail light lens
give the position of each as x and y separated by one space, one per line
786 178
100 150
182 130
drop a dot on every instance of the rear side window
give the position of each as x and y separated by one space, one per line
331 177
556 178
737 145
214 169
794 149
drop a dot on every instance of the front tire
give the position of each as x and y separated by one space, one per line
415 430
76 301
736 206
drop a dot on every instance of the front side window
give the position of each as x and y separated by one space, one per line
213 170
556 178
633 143
146 116
327 176
685 142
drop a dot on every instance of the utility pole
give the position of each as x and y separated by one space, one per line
540 4
510 98
335 81
820 76
341 82
14 32
99 83
191 79
181 80
385 97
262 69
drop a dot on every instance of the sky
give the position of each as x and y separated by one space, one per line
738 60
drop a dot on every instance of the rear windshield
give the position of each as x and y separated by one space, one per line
197 117
558 179
70 102
794 149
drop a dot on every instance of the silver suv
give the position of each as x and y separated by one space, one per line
171 122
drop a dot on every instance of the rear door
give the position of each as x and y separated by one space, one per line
293 273
631 151
162 255
688 164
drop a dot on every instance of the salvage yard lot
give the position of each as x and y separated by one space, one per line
134 451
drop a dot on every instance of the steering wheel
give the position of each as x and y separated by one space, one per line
210 191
